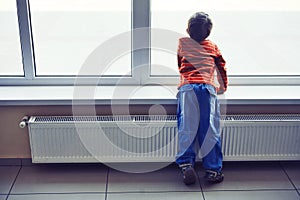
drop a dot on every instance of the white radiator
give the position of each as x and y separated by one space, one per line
154 138
261 137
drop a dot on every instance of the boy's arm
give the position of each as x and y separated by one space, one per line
179 60
221 72
179 57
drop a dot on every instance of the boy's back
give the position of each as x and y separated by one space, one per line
197 61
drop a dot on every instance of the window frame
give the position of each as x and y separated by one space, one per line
140 58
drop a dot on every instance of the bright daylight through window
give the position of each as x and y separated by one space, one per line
66 32
46 42
10 48
257 37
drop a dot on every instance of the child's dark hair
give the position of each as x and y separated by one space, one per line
199 26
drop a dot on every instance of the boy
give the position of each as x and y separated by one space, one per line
198 108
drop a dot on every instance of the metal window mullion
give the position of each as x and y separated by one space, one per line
141 40
26 38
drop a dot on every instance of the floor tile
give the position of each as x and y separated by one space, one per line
252 195
156 196
61 179
166 179
57 197
2 197
8 175
250 176
293 171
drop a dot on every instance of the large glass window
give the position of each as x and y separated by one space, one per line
66 32
138 40
257 38
10 48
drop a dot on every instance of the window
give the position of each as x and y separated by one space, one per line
138 39
10 48
257 38
66 32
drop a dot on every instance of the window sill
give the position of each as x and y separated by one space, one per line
107 95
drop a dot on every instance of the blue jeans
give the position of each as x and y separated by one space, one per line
198 118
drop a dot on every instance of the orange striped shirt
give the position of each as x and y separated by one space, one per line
199 62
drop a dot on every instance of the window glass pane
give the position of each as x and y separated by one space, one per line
255 37
66 32
10 47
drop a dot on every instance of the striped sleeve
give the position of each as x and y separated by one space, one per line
221 70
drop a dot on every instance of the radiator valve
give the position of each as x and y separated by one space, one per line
23 122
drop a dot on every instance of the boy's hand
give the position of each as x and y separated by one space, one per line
221 90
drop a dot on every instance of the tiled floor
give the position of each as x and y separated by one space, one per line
243 181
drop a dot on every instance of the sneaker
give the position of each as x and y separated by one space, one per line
214 176
188 174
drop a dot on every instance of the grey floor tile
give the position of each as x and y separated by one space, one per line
2 197
58 197
293 171
61 179
8 175
252 195
250 176
166 179
156 196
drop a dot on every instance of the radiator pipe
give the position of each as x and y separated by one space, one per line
24 122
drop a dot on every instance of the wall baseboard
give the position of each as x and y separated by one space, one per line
15 162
